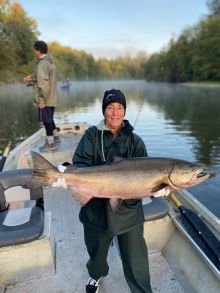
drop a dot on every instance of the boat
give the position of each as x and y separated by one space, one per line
55 259
65 85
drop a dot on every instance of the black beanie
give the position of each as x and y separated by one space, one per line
41 46
113 96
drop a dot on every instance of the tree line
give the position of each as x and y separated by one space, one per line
17 34
193 56
79 65
18 31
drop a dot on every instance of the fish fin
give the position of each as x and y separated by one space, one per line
115 203
159 187
84 200
117 159
40 173
40 163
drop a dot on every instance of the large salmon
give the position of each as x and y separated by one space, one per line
131 178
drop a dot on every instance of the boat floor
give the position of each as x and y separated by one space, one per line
71 257
66 147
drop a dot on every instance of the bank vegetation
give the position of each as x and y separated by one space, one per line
193 56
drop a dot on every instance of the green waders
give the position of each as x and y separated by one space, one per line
134 255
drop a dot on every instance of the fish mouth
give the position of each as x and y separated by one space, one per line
201 174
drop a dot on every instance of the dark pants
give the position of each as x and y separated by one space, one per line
134 255
45 115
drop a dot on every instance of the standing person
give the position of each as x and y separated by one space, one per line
114 136
45 92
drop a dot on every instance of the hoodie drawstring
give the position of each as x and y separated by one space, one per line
102 145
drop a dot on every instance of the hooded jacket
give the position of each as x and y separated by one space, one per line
97 147
44 82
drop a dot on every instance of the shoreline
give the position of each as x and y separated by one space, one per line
202 84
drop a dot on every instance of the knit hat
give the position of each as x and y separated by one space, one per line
113 96
41 46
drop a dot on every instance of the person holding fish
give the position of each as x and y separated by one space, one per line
110 175
114 136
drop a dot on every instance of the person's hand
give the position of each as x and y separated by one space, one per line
28 78
61 168
60 183
162 192
41 105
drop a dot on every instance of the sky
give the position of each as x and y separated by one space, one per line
112 28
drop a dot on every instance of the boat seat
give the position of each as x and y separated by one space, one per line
155 208
20 225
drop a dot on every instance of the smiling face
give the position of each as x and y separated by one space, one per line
114 115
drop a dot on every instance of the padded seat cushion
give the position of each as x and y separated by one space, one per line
23 233
156 209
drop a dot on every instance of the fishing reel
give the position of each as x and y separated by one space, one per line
29 83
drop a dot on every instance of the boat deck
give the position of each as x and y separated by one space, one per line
71 257
64 151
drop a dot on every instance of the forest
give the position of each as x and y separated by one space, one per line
193 56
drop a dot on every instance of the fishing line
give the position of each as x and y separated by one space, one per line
138 114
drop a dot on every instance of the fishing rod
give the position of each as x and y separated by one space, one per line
5 154
138 113
199 232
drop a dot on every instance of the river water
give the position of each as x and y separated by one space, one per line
174 121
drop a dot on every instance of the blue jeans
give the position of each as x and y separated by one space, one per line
45 115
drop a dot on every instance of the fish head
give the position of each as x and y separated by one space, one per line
185 174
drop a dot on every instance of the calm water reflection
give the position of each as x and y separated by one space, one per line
173 120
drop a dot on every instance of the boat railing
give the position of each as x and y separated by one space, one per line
206 214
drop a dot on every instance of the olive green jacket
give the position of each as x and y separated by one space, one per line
97 147
44 82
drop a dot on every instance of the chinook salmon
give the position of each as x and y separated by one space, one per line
132 178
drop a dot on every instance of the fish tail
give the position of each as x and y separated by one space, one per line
41 172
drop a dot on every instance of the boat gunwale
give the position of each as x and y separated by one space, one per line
180 227
196 205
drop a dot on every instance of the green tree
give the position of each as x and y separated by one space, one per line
194 56
7 62
206 59
17 34
214 6
23 32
